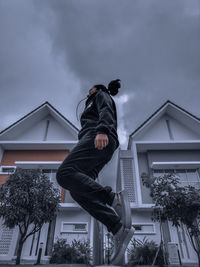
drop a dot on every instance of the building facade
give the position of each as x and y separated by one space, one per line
168 141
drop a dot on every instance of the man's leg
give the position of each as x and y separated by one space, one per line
101 212
73 175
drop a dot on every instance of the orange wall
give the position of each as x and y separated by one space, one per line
10 156
3 178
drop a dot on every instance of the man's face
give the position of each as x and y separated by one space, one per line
91 91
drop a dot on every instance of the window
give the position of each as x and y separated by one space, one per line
7 169
186 176
144 228
79 227
73 227
49 170
138 227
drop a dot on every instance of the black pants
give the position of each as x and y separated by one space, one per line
77 174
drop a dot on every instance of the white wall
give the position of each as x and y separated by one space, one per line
8 239
42 238
71 216
155 131
158 130
139 216
143 167
145 160
108 175
37 131
181 131
173 155
185 244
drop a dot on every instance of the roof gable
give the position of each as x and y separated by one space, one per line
167 123
43 123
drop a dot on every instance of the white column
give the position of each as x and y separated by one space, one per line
1 153
137 175
91 232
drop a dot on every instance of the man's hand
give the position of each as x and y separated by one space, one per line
101 141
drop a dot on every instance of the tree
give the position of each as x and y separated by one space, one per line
179 204
27 200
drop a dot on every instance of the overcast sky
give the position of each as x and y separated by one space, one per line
55 51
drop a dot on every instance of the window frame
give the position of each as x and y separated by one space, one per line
62 231
5 166
176 171
146 232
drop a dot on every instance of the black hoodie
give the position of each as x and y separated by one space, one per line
99 115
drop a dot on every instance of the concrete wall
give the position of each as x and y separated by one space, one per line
55 131
156 131
186 250
108 175
72 216
35 129
160 130
142 216
1 153
181 131
173 155
143 167
8 238
10 156
68 198
34 241
145 160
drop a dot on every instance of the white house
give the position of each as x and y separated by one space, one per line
168 140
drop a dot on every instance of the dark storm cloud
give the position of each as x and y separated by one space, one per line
50 48
29 75
153 46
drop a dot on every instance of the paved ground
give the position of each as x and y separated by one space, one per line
44 265
76 265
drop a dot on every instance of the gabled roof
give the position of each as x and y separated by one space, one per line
162 107
35 110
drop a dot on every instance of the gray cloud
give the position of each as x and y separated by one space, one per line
29 75
152 46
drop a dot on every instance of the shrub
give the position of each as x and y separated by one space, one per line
83 251
143 252
77 252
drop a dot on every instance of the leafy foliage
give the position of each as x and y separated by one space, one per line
28 198
177 204
83 248
77 252
143 252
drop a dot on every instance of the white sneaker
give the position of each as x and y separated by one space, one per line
121 240
122 207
